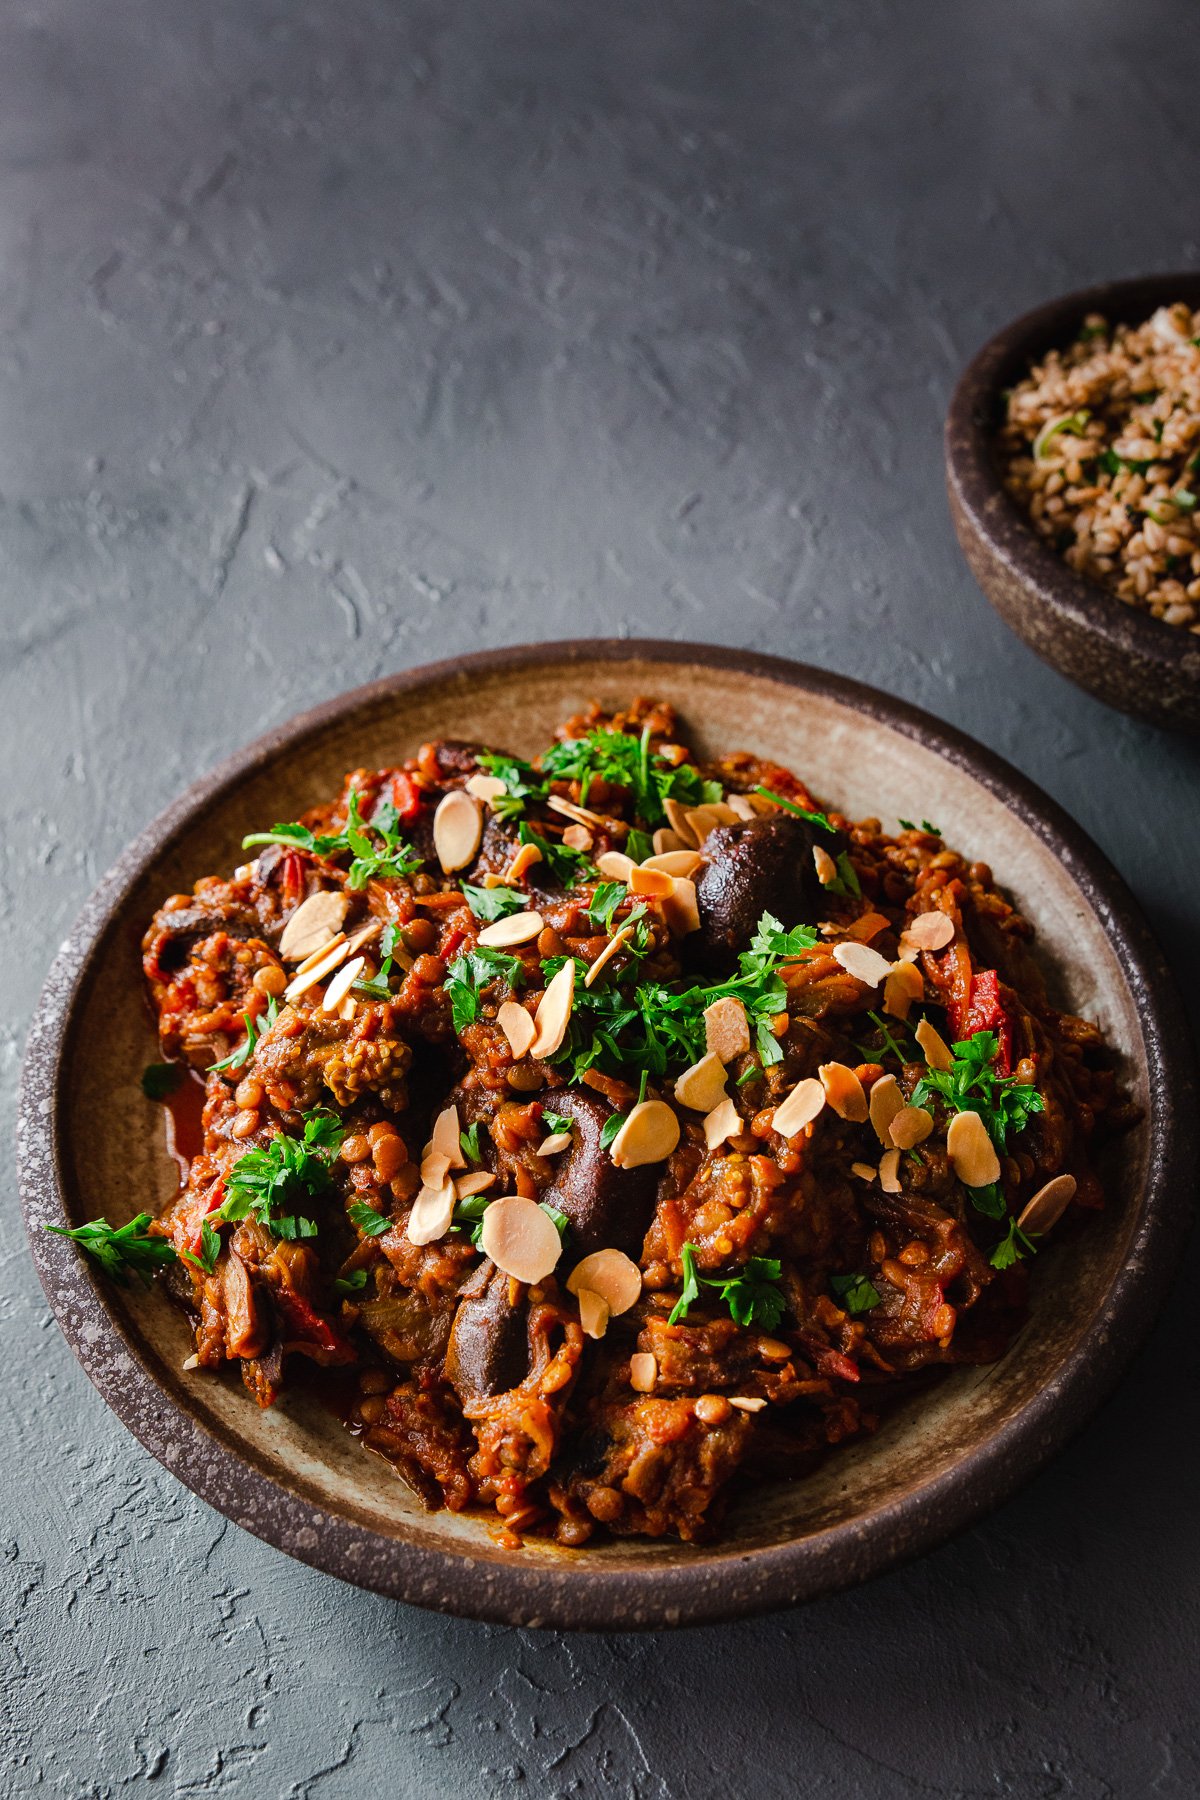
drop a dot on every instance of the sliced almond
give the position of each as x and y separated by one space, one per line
513 928
348 1008
616 865
610 949
675 862
190 1362
722 1122
457 829
432 1212
886 1102
864 1171
825 866
665 840
578 837
520 1238
435 1166
677 819
445 1137
555 1144
904 985
316 972
726 1028
746 1403
554 1012
341 984
702 1087
612 1275
478 1182
681 909
367 935
911 1126
655 883
741 806
929 931
318 956
702 820
314 924
649 1134
582 815
593 1313
643 1372
517 1026
525 858
936 1050
487 788
1042 1213
802 1106
889 1171
844 1091
971 1151
866 965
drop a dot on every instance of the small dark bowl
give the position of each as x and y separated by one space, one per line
1124 657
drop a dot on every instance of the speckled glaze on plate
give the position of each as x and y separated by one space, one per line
90 1143
1124 657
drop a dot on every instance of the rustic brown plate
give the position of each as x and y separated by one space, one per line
1124 657
91 1144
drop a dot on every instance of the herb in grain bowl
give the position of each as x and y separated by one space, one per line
1101 447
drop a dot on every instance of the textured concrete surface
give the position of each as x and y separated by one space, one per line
332 337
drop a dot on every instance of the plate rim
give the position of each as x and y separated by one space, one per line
593 1597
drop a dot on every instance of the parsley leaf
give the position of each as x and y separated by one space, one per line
396 858
971 1085
520 780
627 761
161 1079
469 1143
814 818
604 902
210 1249
856 1293
237 1059
470 973
554 1121
266 1181
353 1283
468 1215
610 1128
1011 1247
368 1221
493 903
750 1295
639 845
378 987
933 830
120 1248
564 864
907 825
559 1219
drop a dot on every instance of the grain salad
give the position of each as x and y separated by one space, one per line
1101 445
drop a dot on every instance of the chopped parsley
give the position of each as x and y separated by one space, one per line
120 1248
469 1143
368 1221
210 1249
555 1121
639 845
989 1200
1184 499
238 1058
972 1085
565 865
377 987
1012 1247
390 859
813 818
559 1220
604 902
470 973
161 1079
520 780
750 1295
627 761
847 883
353 1283
1074 423
855 1293
493 903
267 1184
468 1215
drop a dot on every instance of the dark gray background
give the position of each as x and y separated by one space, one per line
334 337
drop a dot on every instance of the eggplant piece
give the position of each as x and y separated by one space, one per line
608 1208
488 1352
181 931
754 867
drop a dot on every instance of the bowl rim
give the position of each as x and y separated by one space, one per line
974 479
716 1583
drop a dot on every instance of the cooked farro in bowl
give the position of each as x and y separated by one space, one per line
1101 447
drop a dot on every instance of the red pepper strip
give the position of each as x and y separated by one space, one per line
406 797
985 1011
306 1330
292 876
453 940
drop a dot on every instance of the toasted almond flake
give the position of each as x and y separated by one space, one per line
746 1403
457 829
610 949
723 812
341 984
365 935
889 1171
886 1101
517 1026
722 1122
348 1008
612 1275
864 1171
741 806
435 1165
318 956
675 862
616 865
844 1091
866 965
678 820
578 837
703 820
726 1028
665 841
702 1087
934 1047
1042 1213
492 880
582 815
445 1137
971 1151
520 1238
313 925
653 882
555 1144
643 1372
478 1182
930 930
317 972
911 1126
802 1106
192 1361
681 909
825 866
593 1313
649 1134
486 787
432 1211
554 1012
525 858
513 928
904 985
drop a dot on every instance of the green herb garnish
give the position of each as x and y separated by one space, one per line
120 1248
604 902
1075 423
1011 1247
368 1221
495 902
555 1121
353 1283
855 1293
238 1058
470 973
750 1295
521 782
469 1143
564 864
813 818
393 857
267 1183
627 761
972 1085
210 1249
